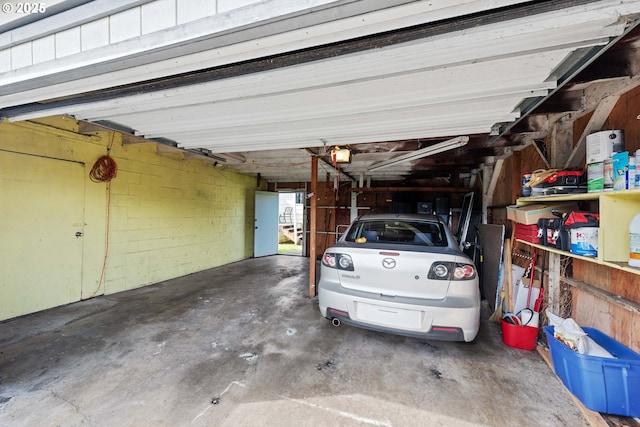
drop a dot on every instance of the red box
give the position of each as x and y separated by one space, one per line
528 233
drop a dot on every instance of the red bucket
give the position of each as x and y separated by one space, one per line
518 336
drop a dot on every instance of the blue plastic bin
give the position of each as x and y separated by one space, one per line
605 385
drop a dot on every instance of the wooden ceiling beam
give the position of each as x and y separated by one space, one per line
412 189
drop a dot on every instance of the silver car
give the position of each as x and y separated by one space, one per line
401 274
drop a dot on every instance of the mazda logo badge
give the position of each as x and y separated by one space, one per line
389 263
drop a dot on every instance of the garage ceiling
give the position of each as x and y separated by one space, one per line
429 76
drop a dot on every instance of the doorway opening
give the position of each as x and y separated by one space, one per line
291 224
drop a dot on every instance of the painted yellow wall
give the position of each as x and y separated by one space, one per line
166 216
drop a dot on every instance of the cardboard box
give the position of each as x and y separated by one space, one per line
601 145
530 214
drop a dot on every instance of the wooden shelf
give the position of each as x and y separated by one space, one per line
412 189
616 209
558 198
617 265
621 194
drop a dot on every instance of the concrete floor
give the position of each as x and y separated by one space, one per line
243 345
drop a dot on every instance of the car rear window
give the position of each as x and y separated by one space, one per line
394 231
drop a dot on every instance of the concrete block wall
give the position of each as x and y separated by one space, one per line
171 217
166 216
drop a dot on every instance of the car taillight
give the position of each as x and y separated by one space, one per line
441 271
339 261
329 260
451 271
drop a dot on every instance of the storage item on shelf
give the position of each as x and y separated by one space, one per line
637 176
526 190
602 384
528 233
553 181
608 174
584 241
538 176
595 177
620 162
549 230
601 145
565 182
576 233
634 241
530 214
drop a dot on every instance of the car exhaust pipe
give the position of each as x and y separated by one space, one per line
335 322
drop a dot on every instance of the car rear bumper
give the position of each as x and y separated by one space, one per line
453 319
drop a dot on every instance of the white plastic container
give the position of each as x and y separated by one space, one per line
634 241
601 145
637 183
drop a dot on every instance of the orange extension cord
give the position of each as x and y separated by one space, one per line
104 170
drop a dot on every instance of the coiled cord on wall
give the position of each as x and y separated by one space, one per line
103 170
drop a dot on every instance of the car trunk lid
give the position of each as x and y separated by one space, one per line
394 273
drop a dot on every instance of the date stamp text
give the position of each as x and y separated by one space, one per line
23 8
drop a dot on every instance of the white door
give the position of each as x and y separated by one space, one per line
265 239
41 210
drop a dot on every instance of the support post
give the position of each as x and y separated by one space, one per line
313 220
553 293
490 175
353 214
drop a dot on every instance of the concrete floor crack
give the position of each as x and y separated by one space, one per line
76 407
216 400
339 412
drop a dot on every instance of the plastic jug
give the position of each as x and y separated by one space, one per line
634 241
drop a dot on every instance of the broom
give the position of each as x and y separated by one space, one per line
506 281
497 314
509 276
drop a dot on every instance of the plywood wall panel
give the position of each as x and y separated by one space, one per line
502 195
591 311
618 282
625 284
594 274
509 184
625 116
